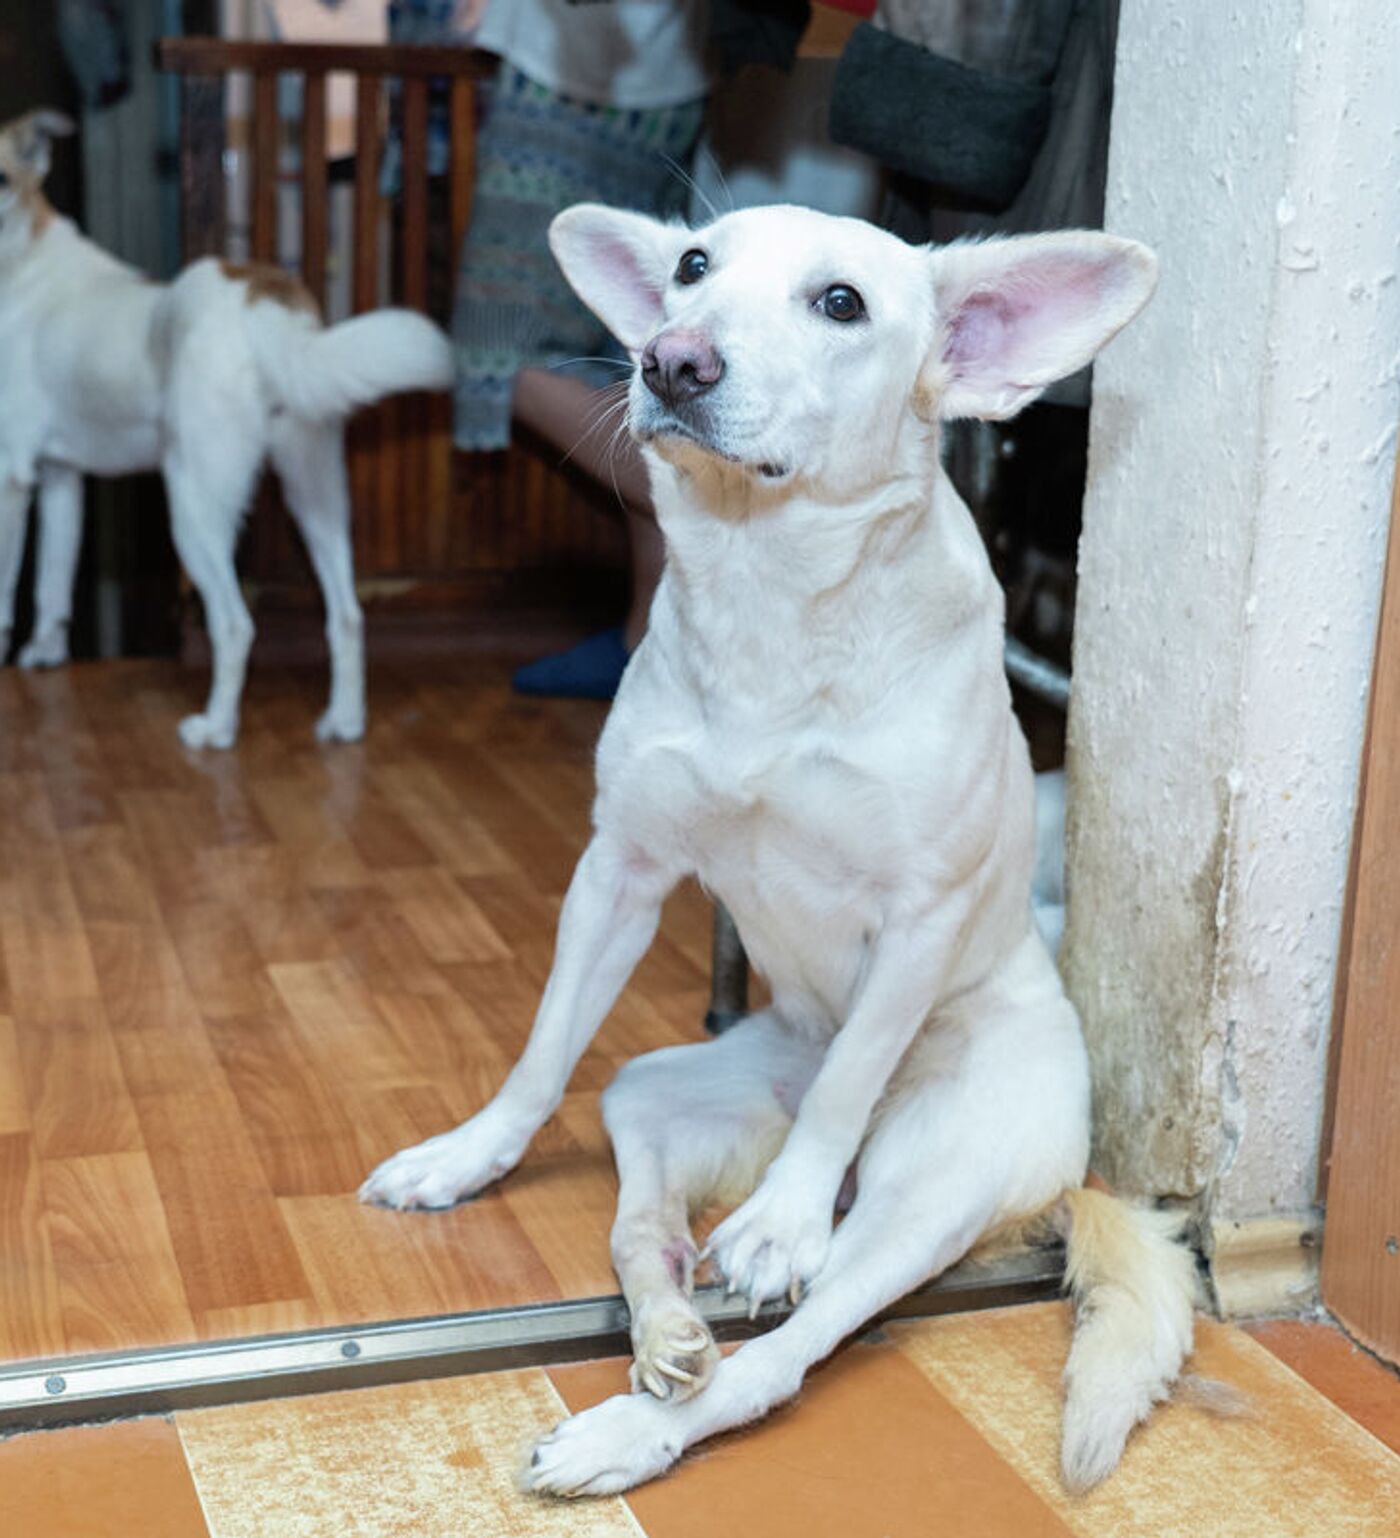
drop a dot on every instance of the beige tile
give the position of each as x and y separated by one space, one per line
1296 1467
423 1460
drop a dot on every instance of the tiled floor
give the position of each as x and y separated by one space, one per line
941 1426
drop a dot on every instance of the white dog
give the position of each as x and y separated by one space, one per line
106 372
818 725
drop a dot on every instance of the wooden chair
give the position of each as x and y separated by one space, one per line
449 548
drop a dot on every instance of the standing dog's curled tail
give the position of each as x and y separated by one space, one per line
325 373
1134 1285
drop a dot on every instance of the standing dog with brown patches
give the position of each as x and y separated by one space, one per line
105 372
818 726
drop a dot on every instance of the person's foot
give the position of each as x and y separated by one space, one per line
591 670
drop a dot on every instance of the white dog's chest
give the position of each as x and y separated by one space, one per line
798 843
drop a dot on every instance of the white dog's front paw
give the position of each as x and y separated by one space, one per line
774 1245
617 1444
44 651
340 725
206 731
443 1171
673 1353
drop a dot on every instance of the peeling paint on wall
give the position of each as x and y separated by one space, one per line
1241 461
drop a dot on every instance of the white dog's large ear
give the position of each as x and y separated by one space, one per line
619 264
1015 315
31 136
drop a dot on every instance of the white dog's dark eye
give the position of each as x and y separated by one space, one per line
4 180
841 302
692 267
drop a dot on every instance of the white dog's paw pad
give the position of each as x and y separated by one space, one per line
674 1356
614 1446
204 731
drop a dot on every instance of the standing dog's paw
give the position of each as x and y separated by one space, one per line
773 1246
441 1172
205 731
673 1353
617 1444
340 726
44 651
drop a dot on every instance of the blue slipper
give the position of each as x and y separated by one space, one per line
591 670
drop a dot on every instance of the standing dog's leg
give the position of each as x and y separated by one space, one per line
609 918
60 534
14 503
204 515
691 1125
310 459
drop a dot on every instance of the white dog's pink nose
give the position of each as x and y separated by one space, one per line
679 365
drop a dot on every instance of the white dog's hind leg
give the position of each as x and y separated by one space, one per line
609 918
310 460
60 535
204 517
690 1125
14 504
909 1221
984 1127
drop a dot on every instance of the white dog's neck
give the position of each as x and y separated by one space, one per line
772 590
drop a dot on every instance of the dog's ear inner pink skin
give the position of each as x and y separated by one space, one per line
619 264
1015 315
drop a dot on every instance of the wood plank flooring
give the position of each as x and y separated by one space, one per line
231 983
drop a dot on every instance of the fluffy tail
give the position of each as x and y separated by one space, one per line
323 374
1133 1285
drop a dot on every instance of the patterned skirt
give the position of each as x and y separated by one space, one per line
537 153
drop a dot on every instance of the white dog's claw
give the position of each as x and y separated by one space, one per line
674 1356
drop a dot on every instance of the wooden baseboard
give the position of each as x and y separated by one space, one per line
1266 1266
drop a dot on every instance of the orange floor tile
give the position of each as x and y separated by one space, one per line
123 1481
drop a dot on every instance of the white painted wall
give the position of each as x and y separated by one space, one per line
1243 441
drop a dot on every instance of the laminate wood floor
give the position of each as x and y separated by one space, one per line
230 983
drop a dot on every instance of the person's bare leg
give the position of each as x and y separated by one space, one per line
587 424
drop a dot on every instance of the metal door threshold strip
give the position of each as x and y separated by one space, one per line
141 1382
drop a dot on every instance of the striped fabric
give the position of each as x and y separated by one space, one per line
538 153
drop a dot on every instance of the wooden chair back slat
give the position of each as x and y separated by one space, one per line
415 193
202 215
265 158
315 207
367 210
219 56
